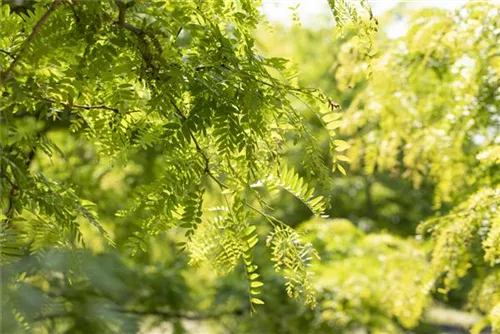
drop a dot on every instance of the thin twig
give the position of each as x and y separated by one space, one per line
10 209
82 106
183 117
86 107
179 315
270 218
73 105
36 30
7 53
163 314
122 7
14 187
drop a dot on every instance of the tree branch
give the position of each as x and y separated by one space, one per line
24 47
12 193
122 8
180 315
162 314
147 55
270 218
10 209
7 53
82 106
197 145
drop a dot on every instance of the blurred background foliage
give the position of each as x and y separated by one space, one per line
412 242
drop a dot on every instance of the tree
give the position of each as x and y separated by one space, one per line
149 153
427 117
124 120
433 117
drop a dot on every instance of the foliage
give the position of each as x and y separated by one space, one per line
352 261
170 100
438 87
432 115
62 285
427 117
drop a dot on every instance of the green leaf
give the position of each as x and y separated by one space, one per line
341 169
256 284
253 276
257 301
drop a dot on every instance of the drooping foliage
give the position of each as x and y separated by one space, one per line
363 280
443 98
435 103
153 164
433 116
427 119
123 120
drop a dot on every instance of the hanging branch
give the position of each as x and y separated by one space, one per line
166 315
7 53
122 7
12 193
24 47
198 147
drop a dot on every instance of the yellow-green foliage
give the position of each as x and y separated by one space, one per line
373 278
473 223
431 98
176 88
468 238
486 297
430 114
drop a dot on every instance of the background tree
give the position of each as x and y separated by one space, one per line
418 148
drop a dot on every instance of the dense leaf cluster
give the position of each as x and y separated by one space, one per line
165 111
154 165
423 134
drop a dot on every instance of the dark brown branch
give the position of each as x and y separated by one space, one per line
102 106
31 155
147 56
162 314
10 209
122 8
82 106
179 315
36 30
122 11
179 32
14 188
178 111
86 107
75 14
7 53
